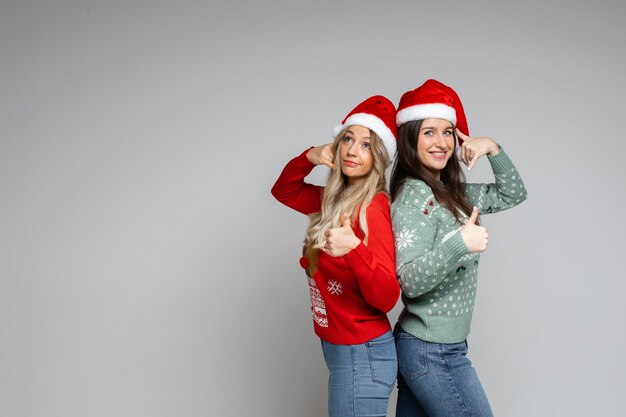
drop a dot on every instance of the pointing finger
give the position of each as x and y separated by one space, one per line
461 134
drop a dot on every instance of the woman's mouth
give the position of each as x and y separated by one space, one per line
439 154
350 164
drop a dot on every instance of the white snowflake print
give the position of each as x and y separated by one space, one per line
405 238
335 287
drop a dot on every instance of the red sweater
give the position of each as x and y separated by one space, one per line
349 294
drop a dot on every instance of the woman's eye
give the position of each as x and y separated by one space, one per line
366 145
428 132
347 138
447 132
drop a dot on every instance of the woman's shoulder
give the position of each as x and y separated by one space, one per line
414 188
378 206
381 201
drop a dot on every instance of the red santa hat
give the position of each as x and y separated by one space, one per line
378 114
432 100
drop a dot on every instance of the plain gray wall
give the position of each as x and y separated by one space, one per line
145 270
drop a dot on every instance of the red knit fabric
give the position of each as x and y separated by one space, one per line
350 294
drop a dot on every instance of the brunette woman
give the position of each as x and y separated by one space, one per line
438 241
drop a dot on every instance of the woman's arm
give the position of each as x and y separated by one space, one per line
421 265
508 190
291 190
374 263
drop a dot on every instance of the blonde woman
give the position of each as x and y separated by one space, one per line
349 256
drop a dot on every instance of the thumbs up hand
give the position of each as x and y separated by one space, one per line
474 236
340 240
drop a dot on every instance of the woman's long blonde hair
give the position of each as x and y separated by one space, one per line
338 198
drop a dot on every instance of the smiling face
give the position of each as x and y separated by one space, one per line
355 154
435 145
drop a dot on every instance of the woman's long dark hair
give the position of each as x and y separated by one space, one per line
449 192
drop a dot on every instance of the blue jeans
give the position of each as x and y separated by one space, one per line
361 377
437 380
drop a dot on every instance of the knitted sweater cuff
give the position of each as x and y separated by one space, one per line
454 247
500 163
305 161
359 256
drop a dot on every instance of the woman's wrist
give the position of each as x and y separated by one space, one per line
494 150
356 243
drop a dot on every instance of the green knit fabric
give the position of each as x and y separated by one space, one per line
435 269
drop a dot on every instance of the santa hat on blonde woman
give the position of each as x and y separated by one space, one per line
432 100
378 114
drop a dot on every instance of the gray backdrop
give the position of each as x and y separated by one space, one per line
145 268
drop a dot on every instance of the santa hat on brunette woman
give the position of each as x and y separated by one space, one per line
432 100
378 114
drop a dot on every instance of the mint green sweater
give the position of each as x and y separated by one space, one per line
435 269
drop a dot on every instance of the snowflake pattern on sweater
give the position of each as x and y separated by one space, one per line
436 271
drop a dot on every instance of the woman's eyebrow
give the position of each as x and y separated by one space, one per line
352 133
433 127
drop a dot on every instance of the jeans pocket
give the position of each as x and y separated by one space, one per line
412 361
383 361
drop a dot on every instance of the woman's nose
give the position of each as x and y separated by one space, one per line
440 140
